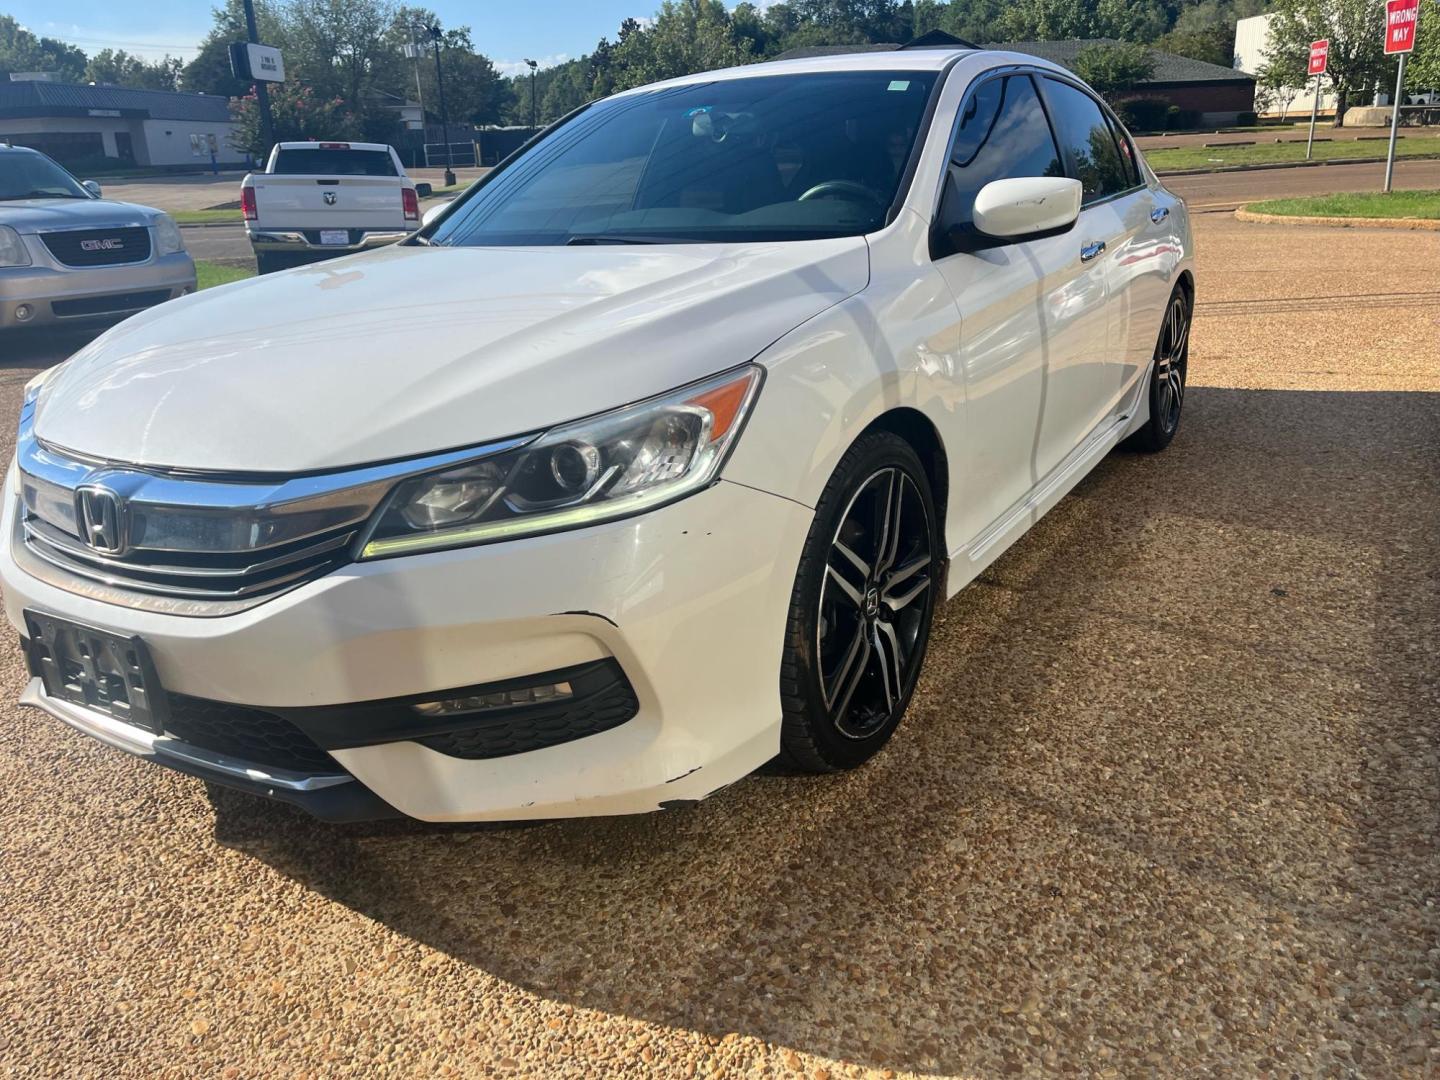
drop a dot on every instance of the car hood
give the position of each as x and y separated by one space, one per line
37 215
410 350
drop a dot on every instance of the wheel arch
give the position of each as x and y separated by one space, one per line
924 438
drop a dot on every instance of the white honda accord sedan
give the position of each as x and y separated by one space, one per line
644 464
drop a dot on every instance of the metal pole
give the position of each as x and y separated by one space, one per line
444 111
262 92
532 101
1314 108
1395 123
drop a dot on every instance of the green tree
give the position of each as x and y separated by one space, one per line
209 72
1356 29
1112 69
299 113
1214 45
1422 71
20 50
686 36
119 68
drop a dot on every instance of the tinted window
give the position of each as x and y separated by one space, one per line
31 176
778 157
1127 154
326 162
1085 133
1002 133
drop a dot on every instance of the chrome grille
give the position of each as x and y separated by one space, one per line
222 575
198 544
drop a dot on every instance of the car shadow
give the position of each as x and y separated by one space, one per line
1162 787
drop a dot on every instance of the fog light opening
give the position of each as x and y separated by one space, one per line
23 312
499 699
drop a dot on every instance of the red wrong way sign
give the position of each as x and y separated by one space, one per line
1319 56
1400 19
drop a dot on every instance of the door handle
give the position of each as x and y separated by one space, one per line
1159 214
1091 250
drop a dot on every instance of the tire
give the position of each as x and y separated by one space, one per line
270 262
861 609
1167 375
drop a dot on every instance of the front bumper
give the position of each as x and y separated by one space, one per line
56 296
301 242
689 600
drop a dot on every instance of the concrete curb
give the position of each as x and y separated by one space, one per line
1430 224
1294 165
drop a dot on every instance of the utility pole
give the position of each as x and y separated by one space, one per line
533 65
262 92
435 37
415 52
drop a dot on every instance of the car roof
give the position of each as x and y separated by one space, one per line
902 59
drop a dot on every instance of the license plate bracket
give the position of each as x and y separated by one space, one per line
334 237
97 669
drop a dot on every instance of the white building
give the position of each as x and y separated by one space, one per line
1252 38
146 128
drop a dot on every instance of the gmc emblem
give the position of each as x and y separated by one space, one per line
108 244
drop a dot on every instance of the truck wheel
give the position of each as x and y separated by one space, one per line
268 262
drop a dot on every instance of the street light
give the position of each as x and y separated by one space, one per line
436 37
533 65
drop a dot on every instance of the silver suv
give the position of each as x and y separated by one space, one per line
67 255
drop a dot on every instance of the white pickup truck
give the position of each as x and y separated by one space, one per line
317 200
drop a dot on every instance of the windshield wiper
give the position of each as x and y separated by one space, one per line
38 194
600 238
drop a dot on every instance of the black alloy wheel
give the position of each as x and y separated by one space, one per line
862 607
1167 380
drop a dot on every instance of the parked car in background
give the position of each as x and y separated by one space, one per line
646 462
69 255
319 200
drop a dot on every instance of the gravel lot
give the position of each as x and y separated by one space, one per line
1167 803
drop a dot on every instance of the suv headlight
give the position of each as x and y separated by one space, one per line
609 466
168 240
12 248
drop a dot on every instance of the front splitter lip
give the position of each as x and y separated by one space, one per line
335 796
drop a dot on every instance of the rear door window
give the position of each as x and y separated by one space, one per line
326 161
1086 136
1002 133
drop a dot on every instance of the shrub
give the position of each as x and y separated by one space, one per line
1246 119
1178 119
1143 114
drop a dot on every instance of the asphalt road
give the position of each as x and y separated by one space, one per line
1167 802
1213 191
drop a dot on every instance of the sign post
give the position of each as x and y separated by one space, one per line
1401 17
1319 60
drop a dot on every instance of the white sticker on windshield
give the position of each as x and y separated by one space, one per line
900 84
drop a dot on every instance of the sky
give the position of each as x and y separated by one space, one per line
550 31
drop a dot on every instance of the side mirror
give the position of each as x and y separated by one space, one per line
423 191
1029 206
434 212
92 187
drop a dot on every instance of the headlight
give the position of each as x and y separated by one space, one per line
12 248
610 466
168 240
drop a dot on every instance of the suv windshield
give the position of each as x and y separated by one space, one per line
29 175
333 161
775 157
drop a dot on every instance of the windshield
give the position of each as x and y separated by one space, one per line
776 157
333 161
34 176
